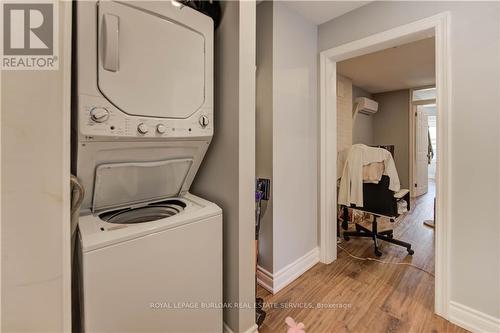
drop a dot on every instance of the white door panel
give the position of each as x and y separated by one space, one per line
149 65
422 144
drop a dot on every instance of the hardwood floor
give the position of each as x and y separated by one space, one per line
370 296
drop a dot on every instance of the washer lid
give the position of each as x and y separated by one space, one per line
125 184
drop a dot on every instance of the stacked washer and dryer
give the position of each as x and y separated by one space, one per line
150 252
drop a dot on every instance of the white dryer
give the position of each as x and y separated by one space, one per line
144 71
150 252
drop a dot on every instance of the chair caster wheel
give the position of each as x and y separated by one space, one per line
346 237
378 253
411 252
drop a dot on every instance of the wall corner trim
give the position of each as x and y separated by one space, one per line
472 320
279 280
252 329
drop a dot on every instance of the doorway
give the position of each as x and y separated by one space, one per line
433 26
423 150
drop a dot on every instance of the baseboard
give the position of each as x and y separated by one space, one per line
279 280
289 273
473 320
265 279
253 329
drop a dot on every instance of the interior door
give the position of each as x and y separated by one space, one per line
149 65
422 145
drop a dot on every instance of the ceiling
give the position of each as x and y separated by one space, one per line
321 11
402 67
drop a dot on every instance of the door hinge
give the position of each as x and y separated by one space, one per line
415 184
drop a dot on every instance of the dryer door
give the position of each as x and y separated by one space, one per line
149 65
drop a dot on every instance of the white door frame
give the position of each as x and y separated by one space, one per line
412 109
437 26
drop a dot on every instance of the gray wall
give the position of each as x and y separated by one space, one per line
391 126
475 73
287 132
264 125
295 135
35 235
362 127
226 176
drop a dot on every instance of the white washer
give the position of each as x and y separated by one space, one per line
150 252
159 276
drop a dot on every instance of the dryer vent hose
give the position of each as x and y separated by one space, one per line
210 8
77 194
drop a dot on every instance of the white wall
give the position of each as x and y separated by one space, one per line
344 113
35 233
226 176
295 136
362 127
475 75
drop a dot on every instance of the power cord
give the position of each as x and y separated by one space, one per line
384 262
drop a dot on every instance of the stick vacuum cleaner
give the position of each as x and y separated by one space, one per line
262 190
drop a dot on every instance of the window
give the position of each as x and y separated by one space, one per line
424 94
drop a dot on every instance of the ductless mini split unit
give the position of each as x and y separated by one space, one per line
364 105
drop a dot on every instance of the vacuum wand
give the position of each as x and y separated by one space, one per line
262 192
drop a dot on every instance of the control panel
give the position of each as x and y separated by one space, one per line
99 118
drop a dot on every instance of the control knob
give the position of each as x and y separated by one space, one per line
99 114
161 129
142 128
204 121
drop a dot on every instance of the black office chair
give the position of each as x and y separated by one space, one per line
378 201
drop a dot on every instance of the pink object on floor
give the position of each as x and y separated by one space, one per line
294 327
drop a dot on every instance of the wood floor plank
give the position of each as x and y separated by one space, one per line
376 297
